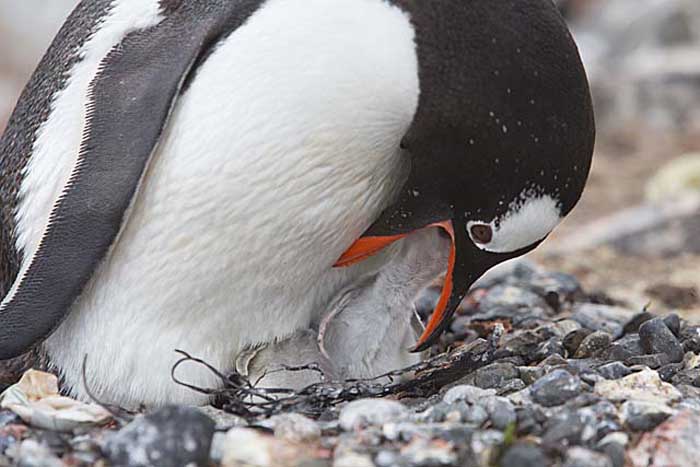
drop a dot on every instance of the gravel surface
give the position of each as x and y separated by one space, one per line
575 382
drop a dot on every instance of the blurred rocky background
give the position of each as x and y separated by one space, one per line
635 234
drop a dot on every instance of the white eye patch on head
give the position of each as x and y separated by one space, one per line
528 221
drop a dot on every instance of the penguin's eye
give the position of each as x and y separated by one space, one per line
482 233
403 145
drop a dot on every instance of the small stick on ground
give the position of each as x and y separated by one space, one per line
239 396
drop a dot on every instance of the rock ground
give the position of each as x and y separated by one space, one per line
574 382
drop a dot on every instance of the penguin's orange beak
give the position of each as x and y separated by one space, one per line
365 247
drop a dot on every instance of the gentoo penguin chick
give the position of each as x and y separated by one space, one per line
372 326
186 174
367 330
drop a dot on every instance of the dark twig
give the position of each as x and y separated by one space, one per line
238 396
120 414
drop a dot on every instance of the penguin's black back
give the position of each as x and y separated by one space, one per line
33 110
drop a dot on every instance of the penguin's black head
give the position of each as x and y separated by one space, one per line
502 139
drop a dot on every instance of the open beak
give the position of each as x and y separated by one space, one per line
450 297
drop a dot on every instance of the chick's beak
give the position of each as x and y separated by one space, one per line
451 295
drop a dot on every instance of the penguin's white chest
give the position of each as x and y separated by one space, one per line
280 153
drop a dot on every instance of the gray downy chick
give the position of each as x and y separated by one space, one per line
368 329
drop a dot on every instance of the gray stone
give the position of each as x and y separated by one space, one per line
531 418
565 327
644 415
593 345
601 317
624 348
494 375
366 412
438 412
582 457
632 326
218 444
573 340
294 427
657 338
563 427
674 442
530 374
653 361
556 388
673 322
467 393
614 370
512 297
524 455
645 385
598 420
8 418
387 459
30 453
172 436
500 410
550 347
511 386
475 415
426 452
224 420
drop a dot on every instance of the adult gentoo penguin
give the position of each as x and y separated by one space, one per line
192 174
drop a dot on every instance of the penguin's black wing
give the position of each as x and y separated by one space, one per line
131 100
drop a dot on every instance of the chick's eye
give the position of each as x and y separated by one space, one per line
481 233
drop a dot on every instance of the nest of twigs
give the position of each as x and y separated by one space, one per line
240 396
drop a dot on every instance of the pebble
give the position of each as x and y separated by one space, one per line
582 457
673 322
224 420
476 415
494 375
645 385
563 427
614 370
500 410
644 415
606 318
512 297
673 443
524 455
169 437
653 361
346 455
485 444
657 338
556 388
632 326
30 453
423 452
466 393
593 344
530 374
243 447
624 348
565 327
294 427
573 340
8 418
550 347
364 412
